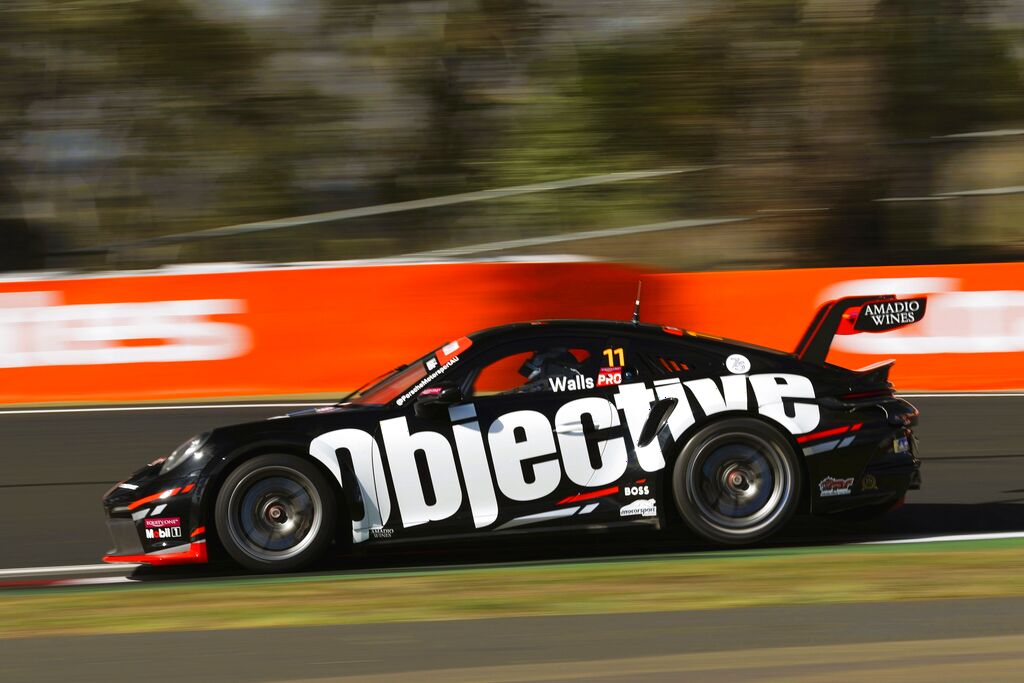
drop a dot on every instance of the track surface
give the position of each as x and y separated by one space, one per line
829 642
55 466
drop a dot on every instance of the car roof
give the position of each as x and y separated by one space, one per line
563 326
518 330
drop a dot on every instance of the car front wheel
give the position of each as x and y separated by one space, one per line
275 513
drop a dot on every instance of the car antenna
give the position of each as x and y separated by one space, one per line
636 306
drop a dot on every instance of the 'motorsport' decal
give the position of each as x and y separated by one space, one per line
437 372
524 455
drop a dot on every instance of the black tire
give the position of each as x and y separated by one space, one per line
276 513
736 481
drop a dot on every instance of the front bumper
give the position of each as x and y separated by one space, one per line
128 547
154 521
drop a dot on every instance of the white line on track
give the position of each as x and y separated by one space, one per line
29 572
941 539
94 581
125 409
67 569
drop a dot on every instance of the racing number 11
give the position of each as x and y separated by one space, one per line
612 354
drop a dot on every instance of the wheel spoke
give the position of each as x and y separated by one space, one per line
739 482
274 512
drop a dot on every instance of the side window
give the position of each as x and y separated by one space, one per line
674 360
501 376
545 366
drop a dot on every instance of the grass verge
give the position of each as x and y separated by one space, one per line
706 581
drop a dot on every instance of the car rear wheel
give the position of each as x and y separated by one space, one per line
736 481
275 513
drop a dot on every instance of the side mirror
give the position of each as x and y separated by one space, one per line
435 403
656 420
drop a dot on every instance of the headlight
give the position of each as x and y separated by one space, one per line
184 452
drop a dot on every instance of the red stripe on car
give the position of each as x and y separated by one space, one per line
821 435
196 554
587 496
156 496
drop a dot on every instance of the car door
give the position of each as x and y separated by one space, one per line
658 370
551 431
407 472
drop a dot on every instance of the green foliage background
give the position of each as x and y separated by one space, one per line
122 120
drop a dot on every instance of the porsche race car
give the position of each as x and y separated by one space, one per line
542 426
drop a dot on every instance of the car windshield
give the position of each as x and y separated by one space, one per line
410 378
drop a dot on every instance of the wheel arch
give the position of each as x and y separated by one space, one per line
224 468
675 450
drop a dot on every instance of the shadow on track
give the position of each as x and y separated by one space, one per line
909 521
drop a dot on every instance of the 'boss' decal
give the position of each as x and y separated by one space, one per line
530 454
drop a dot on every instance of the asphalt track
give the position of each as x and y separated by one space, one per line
912 642
55 466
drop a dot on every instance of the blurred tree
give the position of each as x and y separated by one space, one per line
908 73
22 247
945 68
126 120
167 118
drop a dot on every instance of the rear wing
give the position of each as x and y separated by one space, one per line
853 315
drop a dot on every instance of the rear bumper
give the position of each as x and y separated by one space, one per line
868 464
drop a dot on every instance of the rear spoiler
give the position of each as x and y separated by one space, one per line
853 315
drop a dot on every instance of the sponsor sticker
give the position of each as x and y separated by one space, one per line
737 364
431 364
163 527
901 445
640 508
385 532
869 483
609 377
162 522
830 486
445 353
170 532
415 390
636 490
889 315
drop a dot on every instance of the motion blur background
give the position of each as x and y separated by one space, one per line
848 132
216 199
190 191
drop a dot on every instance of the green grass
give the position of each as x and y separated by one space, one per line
683 582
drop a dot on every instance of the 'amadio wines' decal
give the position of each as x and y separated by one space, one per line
524 455
880 316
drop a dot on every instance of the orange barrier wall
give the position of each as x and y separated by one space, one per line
327 329
972 336
270 331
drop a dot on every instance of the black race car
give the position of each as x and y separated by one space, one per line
542 426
